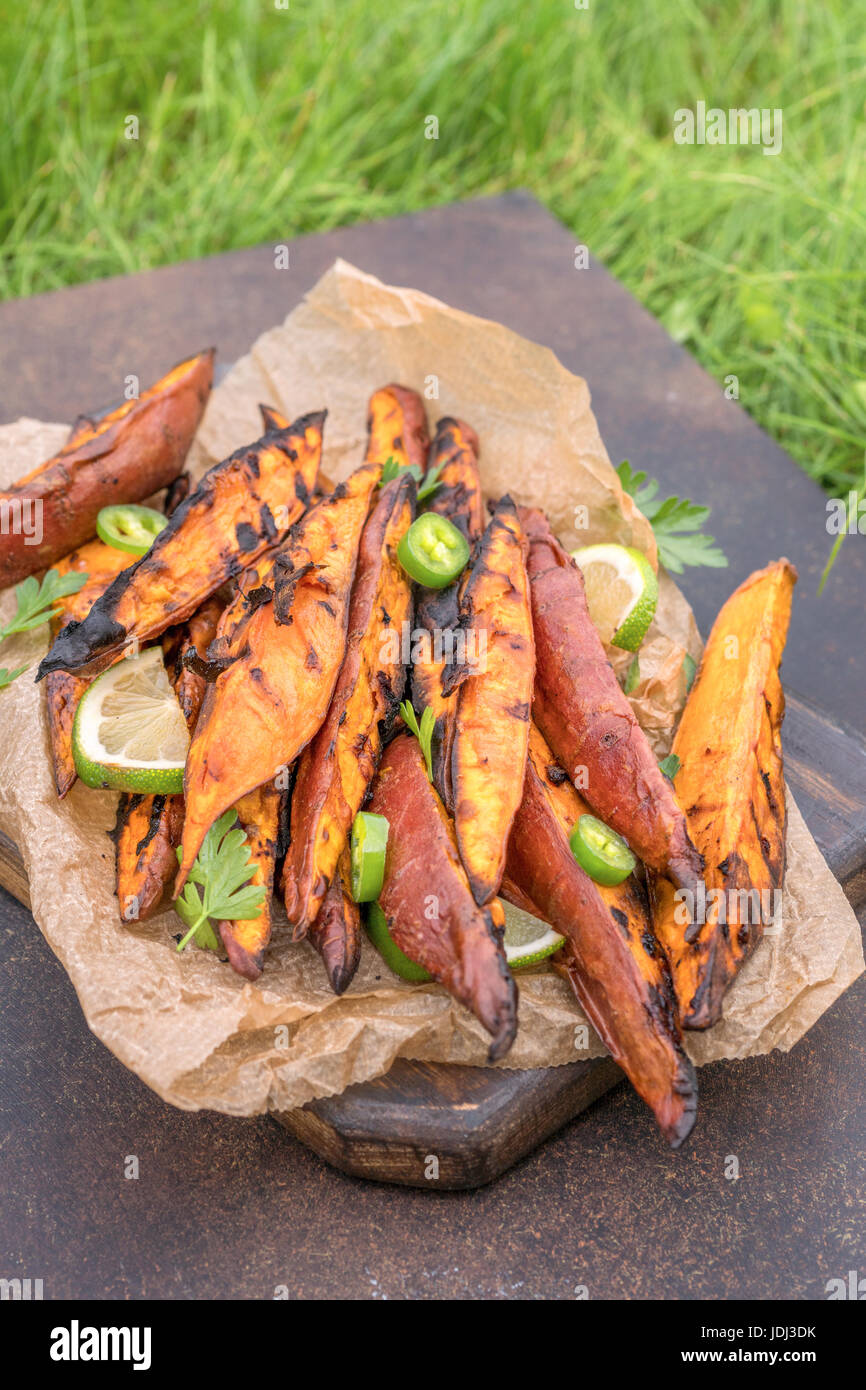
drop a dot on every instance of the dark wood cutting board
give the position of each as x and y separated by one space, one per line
475 1122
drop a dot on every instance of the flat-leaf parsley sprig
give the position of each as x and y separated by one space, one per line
427 482
222 871
676 523
35 606
35 601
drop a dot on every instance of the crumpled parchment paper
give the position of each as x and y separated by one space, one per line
195 1032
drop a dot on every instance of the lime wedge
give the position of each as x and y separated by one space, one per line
377 930
528 940
621 592
129 732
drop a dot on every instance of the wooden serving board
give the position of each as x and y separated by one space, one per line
475 1122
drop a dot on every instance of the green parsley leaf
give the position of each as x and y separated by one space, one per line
676 523
670 765
423 731
222 871
36 601
427 482
7 676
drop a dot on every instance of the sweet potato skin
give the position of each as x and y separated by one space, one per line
101 563
338 765
455 452
588 721
336 932
262 711
491 727
611 959
426 897
731 782
245 941
237 512
125 457
148 829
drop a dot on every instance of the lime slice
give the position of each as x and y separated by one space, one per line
621 591
129 732
527 939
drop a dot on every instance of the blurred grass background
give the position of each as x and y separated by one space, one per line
259 123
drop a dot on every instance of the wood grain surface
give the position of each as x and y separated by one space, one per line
232 1208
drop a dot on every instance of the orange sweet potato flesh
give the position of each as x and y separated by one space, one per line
101 563
338 765
149 828
611 959
262 711
397 427
731 782
238 510
458 497
426 898
491 727
336 932
124 457
588 721
245 941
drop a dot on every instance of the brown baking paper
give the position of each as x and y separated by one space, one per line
187 1025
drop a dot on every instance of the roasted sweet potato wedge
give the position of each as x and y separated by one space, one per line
426 898
338 765
148 828
237 512
101 563
588 721
612 959
731 782
146 835
397 427
491 726
437 611
264 708
124 457
336 932
245 941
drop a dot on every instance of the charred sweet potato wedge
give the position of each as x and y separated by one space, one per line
491 726
397 427
245 941
426 899
437 611
731 782
237 512
147 833
611 959
588 721
148 828
126 456
101 563
263 709
336 932
338 765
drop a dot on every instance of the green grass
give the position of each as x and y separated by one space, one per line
257 124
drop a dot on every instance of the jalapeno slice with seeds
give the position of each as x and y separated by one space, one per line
600 852
369 842
129 527
433 551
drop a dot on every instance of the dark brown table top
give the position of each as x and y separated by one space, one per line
229 1208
